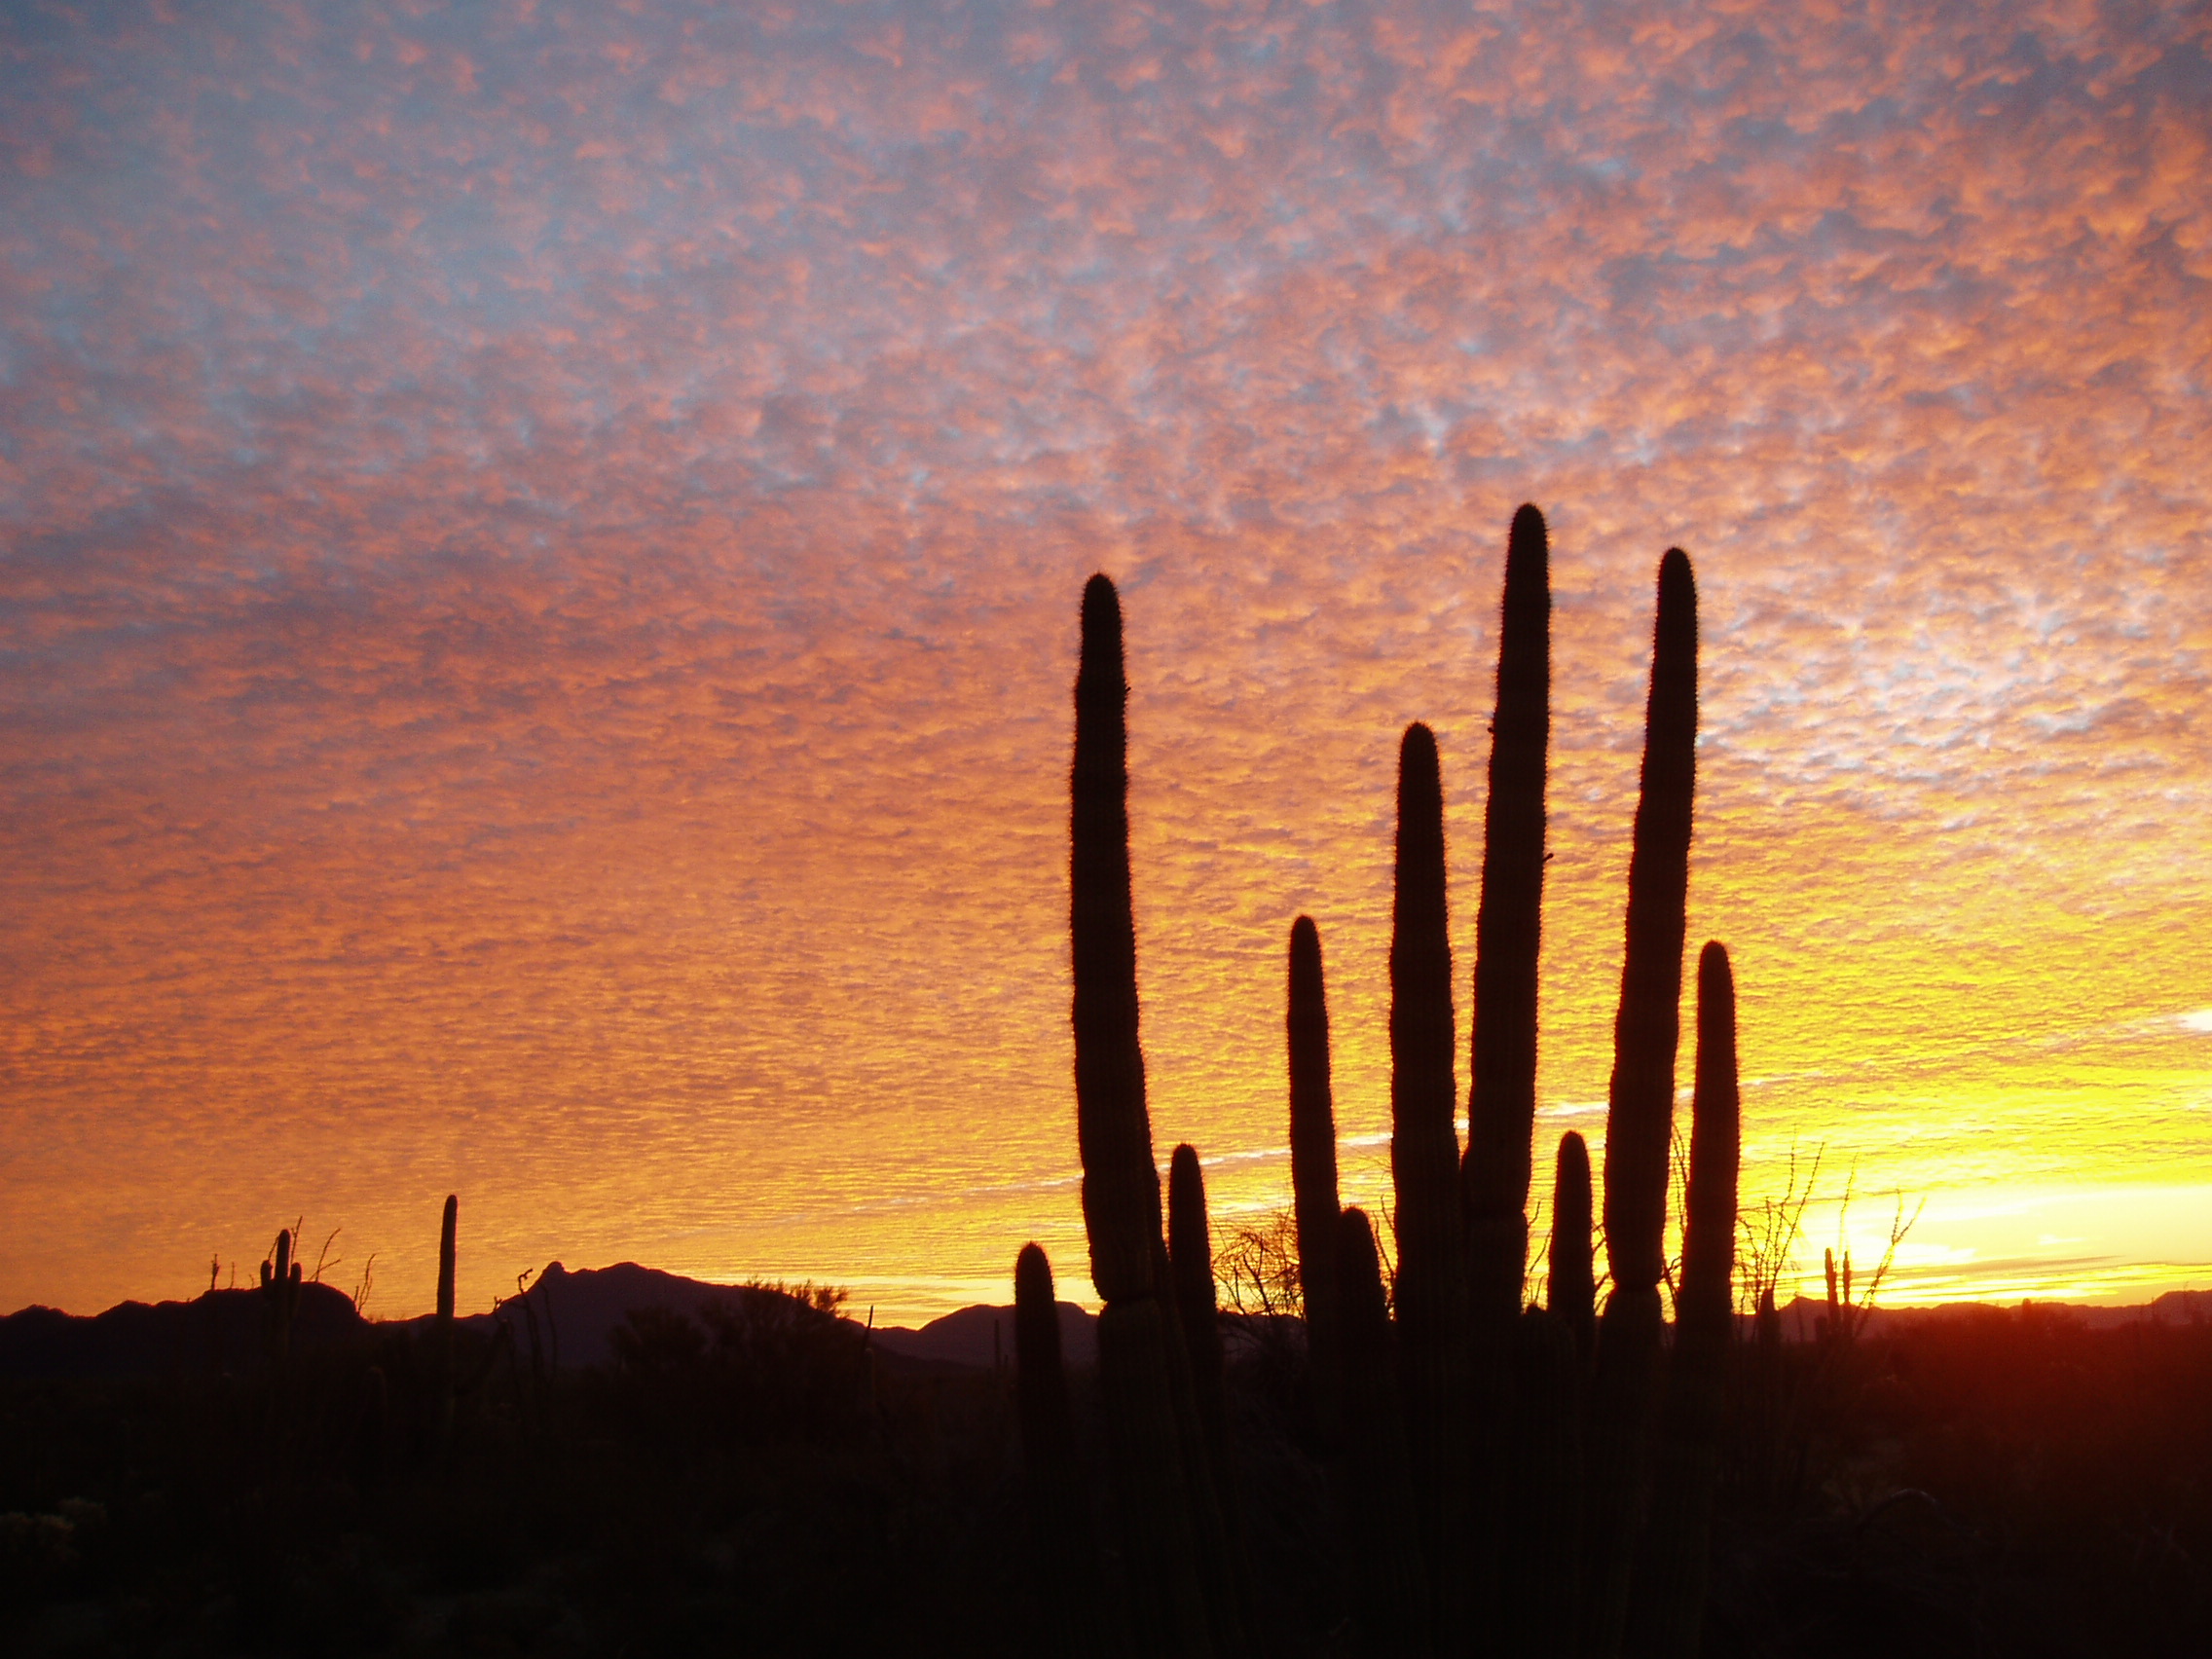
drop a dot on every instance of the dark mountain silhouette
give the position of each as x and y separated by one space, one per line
966 1337
221 1331
1801 1315
579 1312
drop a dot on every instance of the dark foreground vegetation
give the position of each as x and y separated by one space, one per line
760 1481
1430 1461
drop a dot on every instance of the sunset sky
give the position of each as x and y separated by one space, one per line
539 556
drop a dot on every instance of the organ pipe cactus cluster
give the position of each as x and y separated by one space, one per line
1509 1479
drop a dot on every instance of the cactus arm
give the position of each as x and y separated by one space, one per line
1641 1114
1667 1614
1314 1164
1572 1290
1425 1167
1501 1105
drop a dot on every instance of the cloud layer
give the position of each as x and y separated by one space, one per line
539 547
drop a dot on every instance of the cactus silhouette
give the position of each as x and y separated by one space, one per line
1501 1105
1667 1614
1502 1099
1313 1165
1160 1503
1571 1289
1121 1185
1640 1113
280 1301
1190 1255
1060 1509
1389 1581
1425 1167
443 1358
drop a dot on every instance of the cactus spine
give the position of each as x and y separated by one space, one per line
1669 1608
1640 1113
1121 1185
1424 1168
1314 1166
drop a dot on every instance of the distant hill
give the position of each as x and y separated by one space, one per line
218 1332
976 1336
2175 1307
579 1312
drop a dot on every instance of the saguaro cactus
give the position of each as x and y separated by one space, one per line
1668 1612
1425 1165
1641 1114
1501 1104
1159 1511
1313 1164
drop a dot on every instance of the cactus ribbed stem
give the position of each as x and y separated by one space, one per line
1425 1165
1313 1165
1647 1029
1640 1113
442 1339
1667 1613
1571 1291
1121 1185
1501 1105
1390 1590
1162 1498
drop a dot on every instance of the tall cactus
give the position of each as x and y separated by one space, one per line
1120 1184
1160 1519
1571 1287
443 1358
1390 1581
1424 1168
1313 1165
1502 1099
1668 1611
1501 1104
1640 1113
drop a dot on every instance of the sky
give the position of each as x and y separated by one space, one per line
541 548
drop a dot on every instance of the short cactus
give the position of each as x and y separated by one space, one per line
1571 1289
